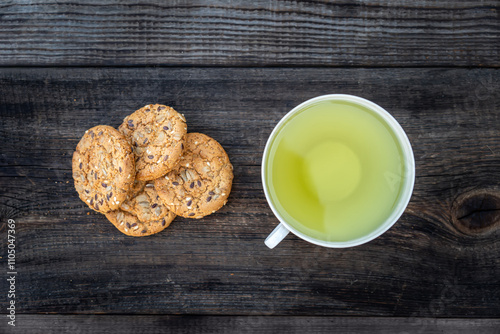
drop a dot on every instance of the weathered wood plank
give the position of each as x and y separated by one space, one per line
440 259
125 324
250 33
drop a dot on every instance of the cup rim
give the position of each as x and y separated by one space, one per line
409 179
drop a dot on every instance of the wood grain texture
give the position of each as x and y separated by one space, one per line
439 260
250 33
96 324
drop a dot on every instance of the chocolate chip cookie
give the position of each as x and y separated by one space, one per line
103 168
201 183
156 134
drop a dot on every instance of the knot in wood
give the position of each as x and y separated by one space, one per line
477 212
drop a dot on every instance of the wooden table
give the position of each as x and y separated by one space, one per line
234 69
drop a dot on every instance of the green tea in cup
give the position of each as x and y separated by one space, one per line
336 169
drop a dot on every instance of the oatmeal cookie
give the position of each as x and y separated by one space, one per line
103 168
202 181
156 134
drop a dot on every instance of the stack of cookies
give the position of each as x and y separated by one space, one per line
150 170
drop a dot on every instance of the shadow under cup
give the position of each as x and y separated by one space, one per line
337 171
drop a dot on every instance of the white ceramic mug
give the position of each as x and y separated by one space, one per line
282 230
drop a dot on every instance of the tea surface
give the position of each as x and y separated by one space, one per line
335 171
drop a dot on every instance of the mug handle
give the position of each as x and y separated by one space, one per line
278 234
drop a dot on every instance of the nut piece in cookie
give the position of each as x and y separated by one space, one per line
129 224
202 181
103 168
156 134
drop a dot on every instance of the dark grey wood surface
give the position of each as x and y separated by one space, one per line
250 33
96 324
440 259
234 69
